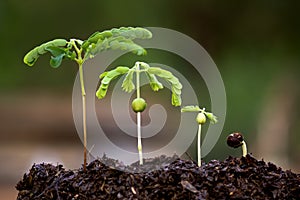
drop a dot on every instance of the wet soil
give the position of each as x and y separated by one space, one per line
233 178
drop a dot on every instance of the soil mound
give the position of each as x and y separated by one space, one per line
233 178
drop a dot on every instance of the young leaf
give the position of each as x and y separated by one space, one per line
107 78
114 43
132 33
154 83
213 119
103 75
127 84
31 57
169 77
55 61
57 55
176 98
55 51
190 109
127 33
95 37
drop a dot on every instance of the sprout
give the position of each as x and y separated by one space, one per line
236 140
139 104
201 119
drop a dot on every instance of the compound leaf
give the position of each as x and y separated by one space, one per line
190 109
128 84
132 33
31 57
169 77
213 119
116 38
154 83
95 37
115 43
107 78
55 61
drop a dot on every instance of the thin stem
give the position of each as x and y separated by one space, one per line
83 94
80 61
140 150
138 93
199 147
139 134
244 148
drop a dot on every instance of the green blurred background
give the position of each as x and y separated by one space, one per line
255 45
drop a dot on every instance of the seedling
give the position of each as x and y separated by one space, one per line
80 51
201 119
139 104
236 140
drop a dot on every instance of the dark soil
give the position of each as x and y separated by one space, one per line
233 178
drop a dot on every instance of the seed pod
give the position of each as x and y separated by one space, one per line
235 140
138 105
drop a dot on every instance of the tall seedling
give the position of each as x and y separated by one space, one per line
80 51
139 104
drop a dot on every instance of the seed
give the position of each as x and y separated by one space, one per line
138 105
235 140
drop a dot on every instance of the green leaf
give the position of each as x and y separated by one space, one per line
116 38
107 78
31 57
95 37
209 115
115 43
132 33
213 119
55 51
154 83
103 75
55 61
190 109
127 84
58 54
174 81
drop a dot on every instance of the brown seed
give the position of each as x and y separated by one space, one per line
235 140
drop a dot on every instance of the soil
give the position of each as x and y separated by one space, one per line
233 178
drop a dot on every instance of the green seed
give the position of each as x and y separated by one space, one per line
138 105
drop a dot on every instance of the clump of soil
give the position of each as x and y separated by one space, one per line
233 178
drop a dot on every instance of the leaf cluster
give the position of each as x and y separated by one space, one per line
213 119
75 49
151 72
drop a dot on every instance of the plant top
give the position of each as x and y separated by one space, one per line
78 50
151 72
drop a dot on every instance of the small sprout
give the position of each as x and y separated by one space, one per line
201 119
236 140
138 105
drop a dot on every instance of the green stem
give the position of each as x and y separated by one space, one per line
199 147
80 61
244 148
138 93
140 149
139 134
83 94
